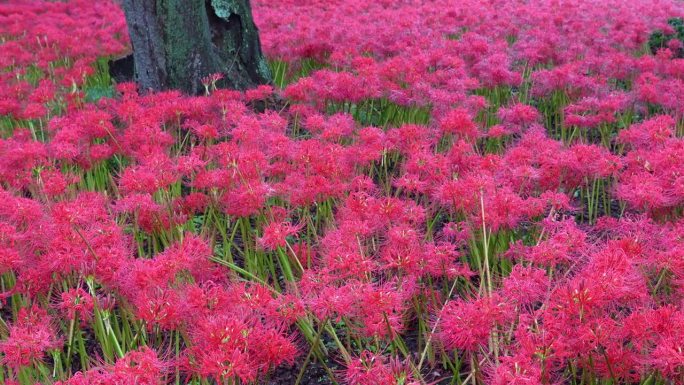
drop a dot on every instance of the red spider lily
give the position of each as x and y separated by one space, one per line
141 366
370 368
440 180
276 233
30 339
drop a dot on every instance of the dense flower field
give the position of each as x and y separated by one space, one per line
432 192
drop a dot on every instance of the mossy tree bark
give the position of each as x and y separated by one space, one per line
176 43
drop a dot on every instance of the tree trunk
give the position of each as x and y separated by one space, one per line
176 43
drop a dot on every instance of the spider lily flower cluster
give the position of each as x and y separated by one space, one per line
432 192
